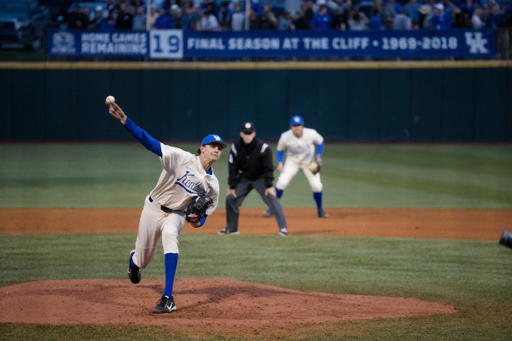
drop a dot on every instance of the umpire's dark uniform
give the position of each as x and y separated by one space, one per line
250 166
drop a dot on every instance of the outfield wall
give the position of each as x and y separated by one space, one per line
360 102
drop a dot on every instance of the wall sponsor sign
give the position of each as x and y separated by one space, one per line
176 44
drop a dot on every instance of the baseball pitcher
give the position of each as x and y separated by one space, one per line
186 191
300 144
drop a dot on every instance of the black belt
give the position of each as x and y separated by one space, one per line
163 208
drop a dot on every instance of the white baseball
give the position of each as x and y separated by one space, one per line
110 100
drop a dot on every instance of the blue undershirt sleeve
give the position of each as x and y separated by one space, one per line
319 150
202 221
279 156
147 141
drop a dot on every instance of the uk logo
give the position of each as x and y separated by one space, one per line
476 42
63 43
217 137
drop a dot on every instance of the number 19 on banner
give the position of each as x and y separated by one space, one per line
166 44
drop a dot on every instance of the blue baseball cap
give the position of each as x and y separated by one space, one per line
296 120
214 139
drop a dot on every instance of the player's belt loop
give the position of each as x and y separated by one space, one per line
163 208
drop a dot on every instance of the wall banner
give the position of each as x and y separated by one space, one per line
456 43
176 44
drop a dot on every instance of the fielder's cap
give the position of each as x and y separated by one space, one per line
214 139
248 127
296 120
439 6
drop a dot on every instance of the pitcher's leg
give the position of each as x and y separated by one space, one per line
148 235
170 231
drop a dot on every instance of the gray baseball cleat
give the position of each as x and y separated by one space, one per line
223 232
268 213
133 271
283 232
322 214
165 305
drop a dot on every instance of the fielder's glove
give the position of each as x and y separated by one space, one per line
198 206
314 167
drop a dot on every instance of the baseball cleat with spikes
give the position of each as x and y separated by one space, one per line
268 213
165 305
133 271
322 214
225 232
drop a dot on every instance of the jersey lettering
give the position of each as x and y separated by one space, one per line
183 169
187 183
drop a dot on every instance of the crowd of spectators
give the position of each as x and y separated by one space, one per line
118 15
320 15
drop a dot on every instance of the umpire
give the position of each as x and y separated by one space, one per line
250 166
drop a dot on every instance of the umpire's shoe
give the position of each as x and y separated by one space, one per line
322 214
165 305
223 232
268 213
133 271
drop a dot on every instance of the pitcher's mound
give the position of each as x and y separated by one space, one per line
201 302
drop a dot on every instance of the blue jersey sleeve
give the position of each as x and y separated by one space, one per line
279 156
147 141
320 150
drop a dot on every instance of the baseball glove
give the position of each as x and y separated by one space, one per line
314 167
198 206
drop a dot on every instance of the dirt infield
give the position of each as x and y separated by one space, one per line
225 306
486 224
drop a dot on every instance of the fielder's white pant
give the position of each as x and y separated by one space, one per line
155 223
290 169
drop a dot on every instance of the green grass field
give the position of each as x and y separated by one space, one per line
473 276
121 175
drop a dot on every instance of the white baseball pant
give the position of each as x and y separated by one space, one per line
290 169
155 223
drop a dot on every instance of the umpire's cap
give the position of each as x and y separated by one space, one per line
212 138
296 120
248 127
